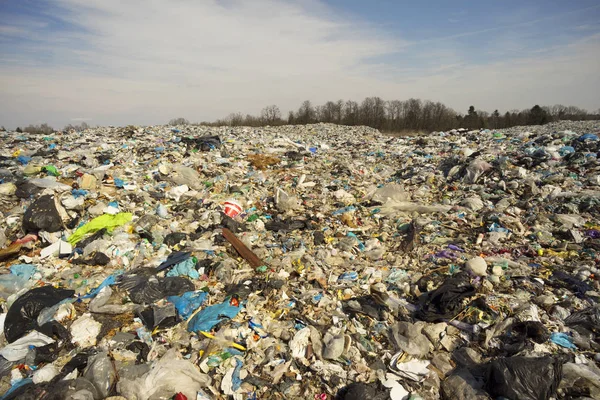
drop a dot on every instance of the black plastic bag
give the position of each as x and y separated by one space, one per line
563 280
176 285
207 143
26 190
42 215
150 290
84 242
22 315
174 259
98 258
174 238
587 319
522 378
295 155
141 349
285 225
534 330
203 143
163 317
519 336
231 224
365 305
78 362
445 302
362 391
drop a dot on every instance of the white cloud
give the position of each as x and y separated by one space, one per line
146 62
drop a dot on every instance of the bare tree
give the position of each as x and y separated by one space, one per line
306 113
179 121
339 106
329 112
350 116
77 128
271 114
291 118
412 112
235 119
43 129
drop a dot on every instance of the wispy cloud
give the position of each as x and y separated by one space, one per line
149 61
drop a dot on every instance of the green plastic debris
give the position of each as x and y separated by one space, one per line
253 217
262 268
51 170
104 221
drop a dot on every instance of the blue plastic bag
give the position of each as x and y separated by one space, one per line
206 319
188 302
24 271
235 377
120 183
23 160
348 276
563 151
110 280
79 193
563 340
17 385
185 268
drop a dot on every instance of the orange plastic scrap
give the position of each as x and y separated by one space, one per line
262 161
241 248
11 251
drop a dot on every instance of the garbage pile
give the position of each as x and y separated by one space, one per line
300 262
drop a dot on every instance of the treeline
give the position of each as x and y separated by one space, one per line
412 115
399 116
45 129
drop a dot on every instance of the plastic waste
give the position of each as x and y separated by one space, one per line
18 349
101 372
167 377
24 271
99 304
49 183
563 340
188 302
58 249
42 215
84 331
524 378
108 222
409 338
185 268
446 301
413 369
22 314
349 260
143 290
210 316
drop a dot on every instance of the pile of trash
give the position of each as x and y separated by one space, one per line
300 262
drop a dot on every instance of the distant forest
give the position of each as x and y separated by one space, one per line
403 116
411 115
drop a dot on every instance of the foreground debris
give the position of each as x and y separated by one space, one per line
309 262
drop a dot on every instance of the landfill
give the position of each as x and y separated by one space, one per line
300 262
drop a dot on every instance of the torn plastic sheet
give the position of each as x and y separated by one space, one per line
206 319
188 302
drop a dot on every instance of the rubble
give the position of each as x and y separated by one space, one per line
313 262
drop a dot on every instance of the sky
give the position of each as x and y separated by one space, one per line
144 62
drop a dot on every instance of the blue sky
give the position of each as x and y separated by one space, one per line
145 62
